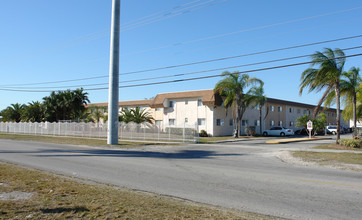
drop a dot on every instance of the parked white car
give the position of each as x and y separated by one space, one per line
332 129
278 131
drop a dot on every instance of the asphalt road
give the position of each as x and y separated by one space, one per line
243 175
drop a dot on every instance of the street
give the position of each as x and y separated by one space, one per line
244 175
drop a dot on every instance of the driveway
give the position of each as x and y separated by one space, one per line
242 175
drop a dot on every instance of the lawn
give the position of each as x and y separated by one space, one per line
73 140
329 158
335 147
56 197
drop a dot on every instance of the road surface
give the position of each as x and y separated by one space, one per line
243 175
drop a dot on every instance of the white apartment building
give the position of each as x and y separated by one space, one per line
203 110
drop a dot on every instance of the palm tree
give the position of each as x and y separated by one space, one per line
349 106
13 112
259 100
33 112
350 88
141 116
232 88
97 113
327 76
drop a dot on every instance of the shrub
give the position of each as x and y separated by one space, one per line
203 133
352 143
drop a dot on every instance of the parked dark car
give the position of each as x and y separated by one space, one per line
304 131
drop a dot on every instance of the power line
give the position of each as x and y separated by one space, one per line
182 74
252 29
193 63
195 78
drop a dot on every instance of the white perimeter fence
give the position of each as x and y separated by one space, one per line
130 131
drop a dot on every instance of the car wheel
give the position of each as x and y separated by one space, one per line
265 134
282 134
334 133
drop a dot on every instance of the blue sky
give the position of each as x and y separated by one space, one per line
46 41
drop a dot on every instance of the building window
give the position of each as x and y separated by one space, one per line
291 110
171 121
159 109
201 121
271 123
298 111
219 122
158 123
186 120
272 108
304 112
199 102
280 108
244 122
291 124
231 122
172 104
256 123
186 102
280 123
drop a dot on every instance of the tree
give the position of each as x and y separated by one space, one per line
13 112
348 109
65 105
141 116
350 87
33 112
259 100
319 122
327 76
97 113
135 115
232 88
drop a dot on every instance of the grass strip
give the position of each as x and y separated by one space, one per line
336 147
57 197
73 140
329 158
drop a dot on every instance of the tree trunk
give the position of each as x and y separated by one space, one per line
260 113
354 112
338 113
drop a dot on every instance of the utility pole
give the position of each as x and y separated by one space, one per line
112 136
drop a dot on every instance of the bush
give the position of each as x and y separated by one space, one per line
203 133
352 143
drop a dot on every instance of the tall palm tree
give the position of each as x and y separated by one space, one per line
327 76
348 112
259 100
232 88
349 89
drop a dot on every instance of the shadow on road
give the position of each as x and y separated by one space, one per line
183 154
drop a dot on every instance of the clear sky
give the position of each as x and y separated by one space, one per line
44 41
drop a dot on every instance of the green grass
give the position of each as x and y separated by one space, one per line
335 147
328 158
58 197
72 140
